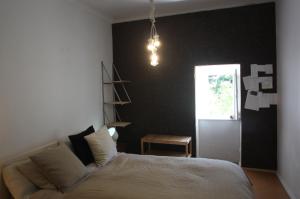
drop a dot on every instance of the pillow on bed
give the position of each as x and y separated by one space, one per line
18 185
34 175
81 147
60 166
102 146
46 194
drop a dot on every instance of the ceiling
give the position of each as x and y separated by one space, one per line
127 10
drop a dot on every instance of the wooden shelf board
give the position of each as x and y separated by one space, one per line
118 102
166 153
118 124
118 82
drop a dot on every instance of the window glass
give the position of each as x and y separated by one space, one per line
216 92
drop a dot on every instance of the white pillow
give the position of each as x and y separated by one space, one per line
60 166
18 185
102 146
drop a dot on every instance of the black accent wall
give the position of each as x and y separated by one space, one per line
163 98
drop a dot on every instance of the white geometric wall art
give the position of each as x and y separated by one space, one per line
257 99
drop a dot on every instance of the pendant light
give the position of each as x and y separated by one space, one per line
153 41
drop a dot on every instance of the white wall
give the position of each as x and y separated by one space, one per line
288 41
219 139
50 75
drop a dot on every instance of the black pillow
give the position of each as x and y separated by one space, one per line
81 147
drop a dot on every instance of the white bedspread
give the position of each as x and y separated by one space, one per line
151 177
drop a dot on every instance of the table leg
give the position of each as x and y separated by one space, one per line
187 150
191 149
142 147
149 147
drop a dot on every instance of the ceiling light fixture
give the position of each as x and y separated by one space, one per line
153 41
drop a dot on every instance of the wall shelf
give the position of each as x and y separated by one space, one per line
117 99
118 124
118 82
118 103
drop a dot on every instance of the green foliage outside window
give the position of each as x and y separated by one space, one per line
222 98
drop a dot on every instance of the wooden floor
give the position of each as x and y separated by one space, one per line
266 185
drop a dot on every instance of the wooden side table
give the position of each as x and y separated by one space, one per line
167 139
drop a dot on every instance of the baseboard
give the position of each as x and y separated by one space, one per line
286 187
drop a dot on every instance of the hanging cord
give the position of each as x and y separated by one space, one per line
152 12
152 19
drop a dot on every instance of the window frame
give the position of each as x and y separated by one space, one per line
236 92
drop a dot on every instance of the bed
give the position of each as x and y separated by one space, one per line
129 176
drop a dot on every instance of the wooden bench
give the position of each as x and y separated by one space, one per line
169 140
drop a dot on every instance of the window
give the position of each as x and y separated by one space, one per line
217 92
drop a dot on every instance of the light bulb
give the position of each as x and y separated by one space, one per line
156 41
154 63
154 57
150 47
150 44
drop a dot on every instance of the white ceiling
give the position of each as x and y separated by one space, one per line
127 10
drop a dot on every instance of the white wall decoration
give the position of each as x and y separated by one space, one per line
257 99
